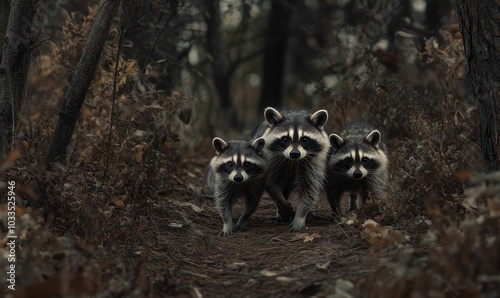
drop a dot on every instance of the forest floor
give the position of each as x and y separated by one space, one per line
167 244
265 260
180 254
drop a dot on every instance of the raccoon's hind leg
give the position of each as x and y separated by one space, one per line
285 210
353 205
334 197
251 204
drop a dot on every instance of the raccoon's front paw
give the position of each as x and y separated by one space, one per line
296 227
298 224
227 228
226 233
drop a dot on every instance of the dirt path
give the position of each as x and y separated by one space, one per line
265 260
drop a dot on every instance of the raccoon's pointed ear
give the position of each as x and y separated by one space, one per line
336 141
319 118
258 145
219 145
373 138
272 116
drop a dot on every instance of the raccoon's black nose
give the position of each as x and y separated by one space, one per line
295 154
357 174
238 178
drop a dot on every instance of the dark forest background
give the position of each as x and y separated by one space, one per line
232 59
108 109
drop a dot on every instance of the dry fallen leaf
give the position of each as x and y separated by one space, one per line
494 207
349 219
299 236
323 266
380 237
119 203
285 279
311 237
343 287
268 273
187 204
10 159
370 222
139 151
237 265
197 293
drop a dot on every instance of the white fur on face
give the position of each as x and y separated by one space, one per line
239 169
290 148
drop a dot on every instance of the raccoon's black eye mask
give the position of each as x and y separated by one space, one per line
226 167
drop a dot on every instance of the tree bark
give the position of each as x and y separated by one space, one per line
480 24
14 67
80 82
274 54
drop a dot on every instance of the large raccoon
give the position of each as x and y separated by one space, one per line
358 165
297 152
238 170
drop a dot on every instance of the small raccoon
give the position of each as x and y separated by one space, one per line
358 165
238 170
297 152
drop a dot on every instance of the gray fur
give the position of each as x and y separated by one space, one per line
364 139
226 190
305 174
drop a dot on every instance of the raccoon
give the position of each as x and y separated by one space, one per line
238 170
297 152
358 165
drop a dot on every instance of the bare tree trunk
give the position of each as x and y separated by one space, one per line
398 21
274 54
14 67
221 72
4 17
480 23
80 82
435 11
214 49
